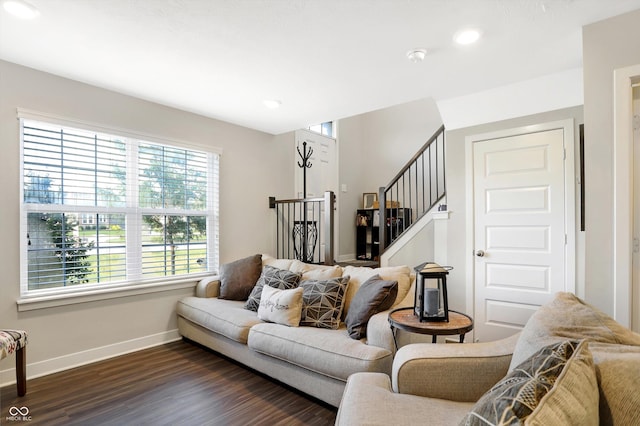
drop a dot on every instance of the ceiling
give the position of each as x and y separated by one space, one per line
323 59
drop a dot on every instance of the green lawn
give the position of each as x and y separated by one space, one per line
112 266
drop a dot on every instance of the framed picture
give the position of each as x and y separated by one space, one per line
368 198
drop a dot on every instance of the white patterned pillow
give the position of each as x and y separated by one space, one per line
323 301
281 306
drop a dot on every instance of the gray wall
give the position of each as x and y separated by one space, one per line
253 166
607 45
372 148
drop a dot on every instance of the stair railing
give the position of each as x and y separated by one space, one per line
419 186
304 228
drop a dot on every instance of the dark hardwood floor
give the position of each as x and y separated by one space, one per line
180 383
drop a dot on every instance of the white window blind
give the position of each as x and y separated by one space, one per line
101 209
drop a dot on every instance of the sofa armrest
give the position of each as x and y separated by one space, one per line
379 332
456 372
363 393
208 287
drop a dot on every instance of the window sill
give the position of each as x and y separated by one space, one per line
31 303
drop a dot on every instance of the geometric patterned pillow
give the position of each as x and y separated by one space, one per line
556 385
322 302
273 277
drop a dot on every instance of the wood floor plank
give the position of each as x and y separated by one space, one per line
180 383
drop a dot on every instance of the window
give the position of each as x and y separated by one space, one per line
325 129
100 209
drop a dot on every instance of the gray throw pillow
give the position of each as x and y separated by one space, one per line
322 302
374 295
273 277
239 277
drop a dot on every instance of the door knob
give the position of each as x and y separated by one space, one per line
480 253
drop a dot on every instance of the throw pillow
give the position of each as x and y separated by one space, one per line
568 317
239 277
556 385
618 371
281 306
375 295
272 277
311 271
323 301
276 263
360 274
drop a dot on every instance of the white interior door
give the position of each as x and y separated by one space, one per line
520 216
322 175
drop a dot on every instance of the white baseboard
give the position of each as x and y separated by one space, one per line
54 365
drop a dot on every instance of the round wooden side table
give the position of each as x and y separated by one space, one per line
405 319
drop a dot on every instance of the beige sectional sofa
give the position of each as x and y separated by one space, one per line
570 365
317 361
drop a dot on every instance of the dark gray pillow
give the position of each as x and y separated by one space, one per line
238 278
273 277
374 295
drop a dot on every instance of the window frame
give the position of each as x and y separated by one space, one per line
44 298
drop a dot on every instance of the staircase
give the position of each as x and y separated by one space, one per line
420 186
305 227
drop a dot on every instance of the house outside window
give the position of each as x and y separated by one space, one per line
101 209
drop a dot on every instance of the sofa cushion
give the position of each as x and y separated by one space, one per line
239 277
556 385
281 306
618 371
360 274
373 296
328 352
225 317
273 277
568 317
369 400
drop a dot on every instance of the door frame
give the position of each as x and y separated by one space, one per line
623 192
567 126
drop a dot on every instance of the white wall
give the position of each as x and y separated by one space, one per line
607 45
253 167
546 93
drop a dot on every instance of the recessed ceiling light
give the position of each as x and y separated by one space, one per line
417 55
466 36
21 9
272 103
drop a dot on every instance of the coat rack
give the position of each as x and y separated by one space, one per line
305 233
304 156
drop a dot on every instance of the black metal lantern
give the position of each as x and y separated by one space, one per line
430 302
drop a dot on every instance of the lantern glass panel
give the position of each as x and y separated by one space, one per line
431 293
